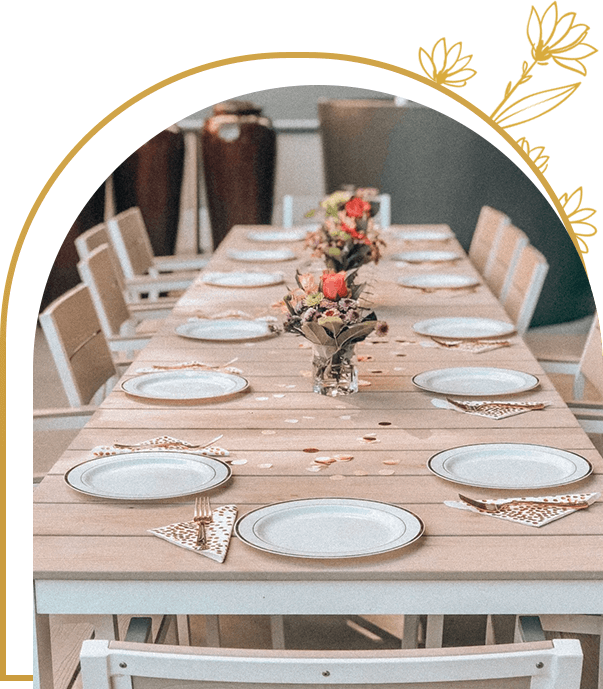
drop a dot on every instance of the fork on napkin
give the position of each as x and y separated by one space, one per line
162 443
531 511
218 533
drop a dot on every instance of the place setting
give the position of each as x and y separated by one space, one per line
434 233
239 279
463 333
404 258
261 255
227 329
432 282
293 234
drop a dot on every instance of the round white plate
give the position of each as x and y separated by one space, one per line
463 328
509 466
262 255
153 475
243 279
224 330
425 256
438 281
329 528
423 235
292 235
475 381
184 385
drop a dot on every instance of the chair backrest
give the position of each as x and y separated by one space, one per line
93 238
98 275
590 367
525 287
505 257
131 242
486 237
78 345
539 665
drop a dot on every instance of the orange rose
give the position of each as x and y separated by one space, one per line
356 207
334 285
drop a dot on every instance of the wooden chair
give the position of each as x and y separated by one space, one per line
137 290
486 238
535 664
82 357
122 326
133 248
506 253
522 291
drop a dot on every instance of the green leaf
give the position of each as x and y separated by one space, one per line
316 334
533 106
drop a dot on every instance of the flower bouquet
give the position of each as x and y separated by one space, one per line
329 315
347 238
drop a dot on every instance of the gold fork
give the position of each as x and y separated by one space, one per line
491 507
203 516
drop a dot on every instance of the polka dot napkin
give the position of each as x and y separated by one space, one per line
535 511
218 533
163 443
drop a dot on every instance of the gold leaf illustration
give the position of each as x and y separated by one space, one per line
446 67
533 106
536 154
559 39
578 216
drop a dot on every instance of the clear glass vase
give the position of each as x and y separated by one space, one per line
334 371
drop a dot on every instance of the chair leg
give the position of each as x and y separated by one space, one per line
212 631
277 631
410 638
434 631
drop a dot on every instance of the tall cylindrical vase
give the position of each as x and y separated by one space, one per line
334 370
239 158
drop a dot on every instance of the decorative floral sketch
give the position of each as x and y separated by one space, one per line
578 216
536 154
447 67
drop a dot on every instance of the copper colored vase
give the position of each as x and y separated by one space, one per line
239 157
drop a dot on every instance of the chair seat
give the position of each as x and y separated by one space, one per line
552 347
564 384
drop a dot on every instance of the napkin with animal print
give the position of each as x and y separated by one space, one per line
218 533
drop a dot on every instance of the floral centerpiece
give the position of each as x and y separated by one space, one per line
329 315
347 237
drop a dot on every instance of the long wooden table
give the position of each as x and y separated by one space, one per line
95 556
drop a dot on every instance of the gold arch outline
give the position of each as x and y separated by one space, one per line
111 116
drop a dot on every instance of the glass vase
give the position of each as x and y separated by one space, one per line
334 370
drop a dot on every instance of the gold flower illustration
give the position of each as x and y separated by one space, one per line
446 67
578 217
536 154
559 39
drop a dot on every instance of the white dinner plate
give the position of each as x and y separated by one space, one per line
438 281
511 466
224 330
153 475
184 386
475 381
426 256
236 279
329 528
292 235
463 328
262 255
423 235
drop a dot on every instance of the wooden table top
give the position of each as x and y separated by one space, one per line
82 537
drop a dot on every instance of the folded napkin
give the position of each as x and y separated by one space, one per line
489 409
189 366
218 532
162 443
531 514
475 346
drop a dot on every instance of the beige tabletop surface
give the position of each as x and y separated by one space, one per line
278 419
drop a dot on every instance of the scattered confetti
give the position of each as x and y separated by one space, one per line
363 383
347 417
289 387
344 458
314 468
398 368
249 344
365 357
268 432
311 449
261 399
291 420
386 472
306 374
308 417
361 472
399 354
279 395
325 460
337 477
385 423
265 466
238 461
376 370
391 461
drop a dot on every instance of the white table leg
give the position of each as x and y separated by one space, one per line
42 654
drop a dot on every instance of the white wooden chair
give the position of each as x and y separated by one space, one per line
505 256
82 357
123 327
522 291
132 246
139 289
131 664
486 238
294 209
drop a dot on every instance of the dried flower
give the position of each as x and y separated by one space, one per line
334 285
381 329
